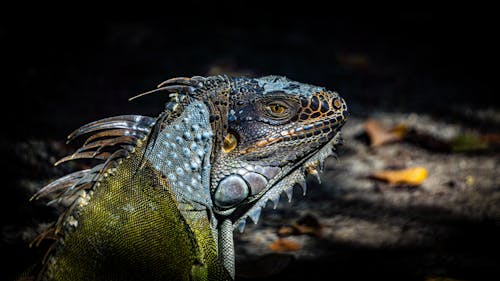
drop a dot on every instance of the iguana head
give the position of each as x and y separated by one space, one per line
278 130
269 133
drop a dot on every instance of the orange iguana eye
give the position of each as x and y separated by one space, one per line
276 108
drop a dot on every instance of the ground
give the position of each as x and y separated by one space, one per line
362 228
423 76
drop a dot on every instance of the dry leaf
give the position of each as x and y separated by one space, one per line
284 245
469 181
412 176
399 130
287 231
379 135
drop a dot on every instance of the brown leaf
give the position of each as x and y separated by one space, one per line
379 135
284 245
399 130
411 176
287 231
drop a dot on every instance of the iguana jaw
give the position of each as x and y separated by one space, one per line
285 181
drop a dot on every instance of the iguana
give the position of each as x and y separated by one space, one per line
170 190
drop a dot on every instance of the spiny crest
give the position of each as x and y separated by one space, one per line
111 140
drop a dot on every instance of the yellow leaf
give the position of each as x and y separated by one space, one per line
400 130
412 176
469 180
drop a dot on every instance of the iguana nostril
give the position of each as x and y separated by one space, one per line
231 191
337 103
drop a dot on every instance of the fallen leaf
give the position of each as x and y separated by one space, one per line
379 135
400 130
469 180
284 245
411 176
287 230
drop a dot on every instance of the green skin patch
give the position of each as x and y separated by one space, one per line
133 230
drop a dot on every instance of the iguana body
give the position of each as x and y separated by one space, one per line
164 203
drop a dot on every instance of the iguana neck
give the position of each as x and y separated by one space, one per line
181 153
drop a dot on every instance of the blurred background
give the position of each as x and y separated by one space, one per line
414 194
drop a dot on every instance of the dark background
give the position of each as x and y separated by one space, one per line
63 73
60 74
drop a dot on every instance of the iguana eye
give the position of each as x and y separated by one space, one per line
276 108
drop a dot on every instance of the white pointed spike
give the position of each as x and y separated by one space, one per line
303 185
241 225
276 200
318 178
254 214
321 165
289 193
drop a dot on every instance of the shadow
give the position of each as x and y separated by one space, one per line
455 246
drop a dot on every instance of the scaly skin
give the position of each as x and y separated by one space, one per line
164 203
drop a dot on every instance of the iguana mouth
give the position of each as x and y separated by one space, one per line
285 181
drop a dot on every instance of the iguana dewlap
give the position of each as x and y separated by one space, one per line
170 191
